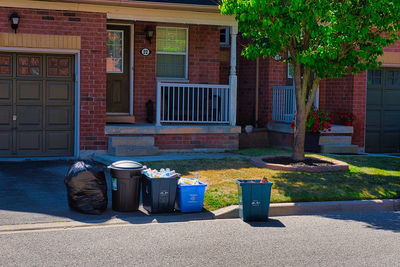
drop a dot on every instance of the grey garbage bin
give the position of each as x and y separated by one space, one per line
125 184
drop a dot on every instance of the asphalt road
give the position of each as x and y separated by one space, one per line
341 239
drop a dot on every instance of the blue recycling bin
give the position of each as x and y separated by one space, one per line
254 199
190 198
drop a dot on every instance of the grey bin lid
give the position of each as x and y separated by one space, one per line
126 165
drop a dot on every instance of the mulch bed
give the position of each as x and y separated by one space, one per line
289 161
310 164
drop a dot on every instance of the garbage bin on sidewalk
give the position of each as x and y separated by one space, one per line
254 199
190 198
125 184
158 194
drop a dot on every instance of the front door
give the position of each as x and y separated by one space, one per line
118 69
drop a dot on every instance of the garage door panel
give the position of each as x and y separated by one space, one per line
372 141
5 117
59 93
374 119
5 92
60 117
374 97
29 141
391 98
59 142
5 142
383 111
391 119
29 117
29 92
5 65
36 105
390 141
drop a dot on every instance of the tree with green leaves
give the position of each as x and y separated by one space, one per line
319 38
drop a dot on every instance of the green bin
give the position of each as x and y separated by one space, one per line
254 199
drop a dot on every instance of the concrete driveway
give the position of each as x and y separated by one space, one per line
34 192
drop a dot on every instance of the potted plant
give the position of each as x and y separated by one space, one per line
345 118
317 122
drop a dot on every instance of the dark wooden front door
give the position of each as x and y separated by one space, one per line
36 105
118 69
383 111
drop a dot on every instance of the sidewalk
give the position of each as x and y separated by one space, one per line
108 159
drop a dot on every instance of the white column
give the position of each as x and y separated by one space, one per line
158 105
233 77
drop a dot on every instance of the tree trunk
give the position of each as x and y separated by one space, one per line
299 132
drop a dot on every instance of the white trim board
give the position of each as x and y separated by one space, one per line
132 13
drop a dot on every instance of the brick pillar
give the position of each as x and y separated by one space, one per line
359 108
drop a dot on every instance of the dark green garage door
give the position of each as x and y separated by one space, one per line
383 111
36 105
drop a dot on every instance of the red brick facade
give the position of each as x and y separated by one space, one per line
271 73
203 62
197 141
92 29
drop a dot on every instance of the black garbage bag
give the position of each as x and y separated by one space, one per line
86 188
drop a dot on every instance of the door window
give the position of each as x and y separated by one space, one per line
115 51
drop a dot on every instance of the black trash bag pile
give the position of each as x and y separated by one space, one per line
86 188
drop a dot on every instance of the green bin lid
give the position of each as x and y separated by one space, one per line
126 165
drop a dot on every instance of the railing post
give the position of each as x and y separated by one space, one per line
233 77
158 105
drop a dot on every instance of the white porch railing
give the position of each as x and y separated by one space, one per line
284 103
192 103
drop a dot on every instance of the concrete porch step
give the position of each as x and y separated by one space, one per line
334 140
114 141
340 149
125 151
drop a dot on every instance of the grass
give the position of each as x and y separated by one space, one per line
367 178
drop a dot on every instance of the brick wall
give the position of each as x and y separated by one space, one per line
92 29
193 141
347 94
203 62
246 74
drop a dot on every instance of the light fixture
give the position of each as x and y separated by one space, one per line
149 33
14 18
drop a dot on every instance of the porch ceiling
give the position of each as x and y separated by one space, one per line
195 5
149 11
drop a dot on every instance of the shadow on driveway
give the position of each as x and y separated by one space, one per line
34 192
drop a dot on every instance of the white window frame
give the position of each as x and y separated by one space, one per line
226 43
162 78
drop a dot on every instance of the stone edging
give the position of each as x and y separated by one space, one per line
337 167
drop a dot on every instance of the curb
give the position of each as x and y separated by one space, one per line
310 208
230 212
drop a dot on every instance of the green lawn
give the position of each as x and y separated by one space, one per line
368 178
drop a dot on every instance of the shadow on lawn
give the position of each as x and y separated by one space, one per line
382 163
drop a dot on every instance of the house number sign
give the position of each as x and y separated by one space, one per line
145 52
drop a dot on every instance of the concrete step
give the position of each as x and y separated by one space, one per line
126 151
340 149
340 129
334 140
115 141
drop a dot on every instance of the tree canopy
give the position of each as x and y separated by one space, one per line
320 38
330 37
